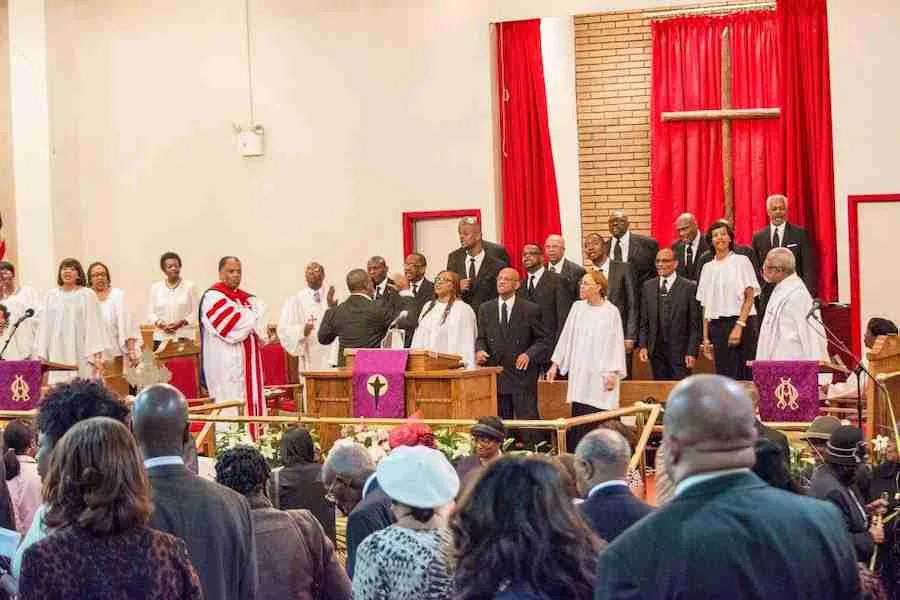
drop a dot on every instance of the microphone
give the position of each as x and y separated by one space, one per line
816 305
403 314
27 315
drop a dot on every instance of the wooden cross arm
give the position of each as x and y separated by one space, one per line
718 115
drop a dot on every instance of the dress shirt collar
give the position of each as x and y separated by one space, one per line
604 268
509 302
695 244
557 267
362 294
780 229
381 287
624 241
368 484
693 480
607 484
537 276
160 461
669 280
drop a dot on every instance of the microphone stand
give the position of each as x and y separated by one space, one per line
15 328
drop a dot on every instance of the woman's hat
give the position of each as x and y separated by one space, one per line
821 428
845 446
417 476
490 427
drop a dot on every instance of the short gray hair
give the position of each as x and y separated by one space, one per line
350 461
782 259
605 449
775 197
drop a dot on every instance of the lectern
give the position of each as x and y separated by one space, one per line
21 382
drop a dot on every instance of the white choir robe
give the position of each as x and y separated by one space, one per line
71 331
297 311
232 363
22 344
120 325
171 305
590 347
455 336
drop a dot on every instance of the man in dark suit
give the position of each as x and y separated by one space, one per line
385 292
358 321
691 245
623 292
601 461
780 233
349 478
546 289
477 264
213 520
420 292
555 248
511 335
639 251
671 325
725 533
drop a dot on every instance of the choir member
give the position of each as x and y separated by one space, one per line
691 245
639 251
298 325
123 336
591 350
71 330
477 262
420 291
173 303
447 324
546 289
621 286
18 299
726 290
386 293
555 248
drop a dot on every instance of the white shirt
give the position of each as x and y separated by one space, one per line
536 275
780 230
456 335
171 305
624 241
120 326
160 461
669 281
693 480
695 248
557 267
722 285
479 258
418 285
509 302
604 268
381 287
606 484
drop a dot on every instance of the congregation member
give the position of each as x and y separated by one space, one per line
25 486
173 303
691 245
61 408
300 319
517 535
571 272
772 465
71 330
447 324
546 289
601 461
411 559
883 484
781 234
621 286
295 559
421 290
637 250
358 321
816 437
98 502
511 335
477 262
788 332
18 299
298 484
591 351
670 321
213 520
765 543
726 290
488 435
231 330
352 486
855 383
123 335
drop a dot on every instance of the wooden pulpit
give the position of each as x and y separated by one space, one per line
435 386
114 376
884 360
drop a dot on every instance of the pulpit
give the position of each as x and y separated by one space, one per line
884 361
434 385
21 382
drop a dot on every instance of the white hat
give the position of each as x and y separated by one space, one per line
417 476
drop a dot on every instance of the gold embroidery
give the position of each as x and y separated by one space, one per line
787 394
19 390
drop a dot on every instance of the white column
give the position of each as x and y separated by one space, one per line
30 132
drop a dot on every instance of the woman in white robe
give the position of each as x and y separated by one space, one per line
173 303
122 333
71 330
17 300
447 324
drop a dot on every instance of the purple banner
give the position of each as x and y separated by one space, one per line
788 389
20 384
378 383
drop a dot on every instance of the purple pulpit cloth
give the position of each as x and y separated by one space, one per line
379 383
788 389
20 384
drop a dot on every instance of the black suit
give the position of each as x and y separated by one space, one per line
641 255
571 274
373 513
774 436
496 251
797 241
413 305
359 323
671 326
825 486
691 271
390 300
214 522
484 287
613 509
524 334
551 295
732 537
623 292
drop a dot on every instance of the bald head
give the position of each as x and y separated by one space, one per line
618 223
665 262
555 248
507 282
686 227
160 421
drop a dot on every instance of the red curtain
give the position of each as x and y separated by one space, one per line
530 201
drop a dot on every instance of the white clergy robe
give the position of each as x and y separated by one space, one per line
171 305
22 344
300 309
71 331
456 335
590 347
786 333
120 326
232 364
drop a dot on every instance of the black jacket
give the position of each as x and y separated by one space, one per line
571 274
825 486
551 295
797 241
373 513
413 305
612 510
641 255
684 325
691 271
623 292
300 487
359 323
525 334
484 287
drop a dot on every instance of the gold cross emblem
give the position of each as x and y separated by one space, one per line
787 394
19 391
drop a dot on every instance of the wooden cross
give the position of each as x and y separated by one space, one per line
726 114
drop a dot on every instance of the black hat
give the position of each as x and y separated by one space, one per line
878 326
490 427
845 446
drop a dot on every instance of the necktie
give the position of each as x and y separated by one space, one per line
472 268
377 293
617 251
776 240
689 259
531 285
415 289
504 315
663 289
317 297
552 269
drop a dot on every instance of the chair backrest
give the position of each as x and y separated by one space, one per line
185 374
274 364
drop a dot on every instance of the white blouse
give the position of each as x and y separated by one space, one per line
171 305
722 285
456 335
120 326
